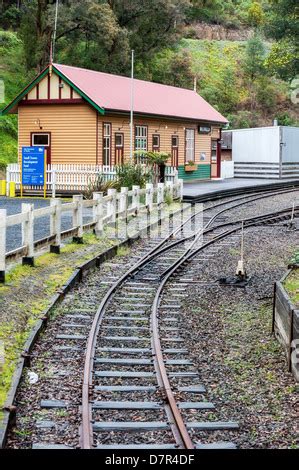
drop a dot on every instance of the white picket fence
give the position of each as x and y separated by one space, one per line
103 209
73 177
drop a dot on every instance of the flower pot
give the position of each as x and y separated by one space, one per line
189 168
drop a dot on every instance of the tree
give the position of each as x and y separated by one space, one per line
172 67
256 15
102 32
36 33
282 61
92 38
283 25
254 64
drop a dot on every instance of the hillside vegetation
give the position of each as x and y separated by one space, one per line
233 77
14 76
246 72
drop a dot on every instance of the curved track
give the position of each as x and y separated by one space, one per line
143 354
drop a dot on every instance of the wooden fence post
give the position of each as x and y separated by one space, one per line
123 202
136 198
170 189
98 214
28 234
181 191
55 226
112 204
149 198
53 174
78 218
160 194
2 244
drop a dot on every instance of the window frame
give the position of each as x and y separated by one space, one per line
214 148
174 136
187 158
156 148
119 134
141 137
107 156
33 134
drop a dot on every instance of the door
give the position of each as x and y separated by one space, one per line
119 148
42 139
175 151
216 159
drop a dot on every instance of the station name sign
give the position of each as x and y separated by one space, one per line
204 129
33 166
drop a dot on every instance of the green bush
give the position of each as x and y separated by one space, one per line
99 185
284 119
130 174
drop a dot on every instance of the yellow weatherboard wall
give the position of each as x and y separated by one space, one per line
72 128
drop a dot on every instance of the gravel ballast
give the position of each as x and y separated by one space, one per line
226 330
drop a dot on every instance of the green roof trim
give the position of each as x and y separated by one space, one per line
80 92
37 80
24 92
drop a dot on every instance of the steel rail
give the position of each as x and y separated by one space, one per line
156 342
86 438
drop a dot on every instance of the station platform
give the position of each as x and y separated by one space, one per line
202 191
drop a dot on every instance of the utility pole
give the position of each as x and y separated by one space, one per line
55 29
132 108
195 84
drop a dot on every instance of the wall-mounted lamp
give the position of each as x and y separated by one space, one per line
123 123
38 123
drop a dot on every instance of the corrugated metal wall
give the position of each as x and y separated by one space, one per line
269 152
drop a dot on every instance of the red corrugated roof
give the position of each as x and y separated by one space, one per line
113 92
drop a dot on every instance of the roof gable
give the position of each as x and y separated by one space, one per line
40 79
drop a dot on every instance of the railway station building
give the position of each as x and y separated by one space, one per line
83 117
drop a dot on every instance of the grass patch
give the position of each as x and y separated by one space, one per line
291 285
253 355
50 273
28 294
123 251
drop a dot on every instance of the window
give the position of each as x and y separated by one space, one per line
141 138
39 139
119 140
175 141
214 151
107 144
141 141
156 142
190 145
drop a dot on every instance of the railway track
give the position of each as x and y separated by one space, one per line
118 352
140 389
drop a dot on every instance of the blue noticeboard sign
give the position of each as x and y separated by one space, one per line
33 166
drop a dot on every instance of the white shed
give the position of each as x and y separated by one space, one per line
266 152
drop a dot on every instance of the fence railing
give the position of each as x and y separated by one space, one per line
73 177
100 211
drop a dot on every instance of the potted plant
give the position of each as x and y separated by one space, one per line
156 159
159 159
190 166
